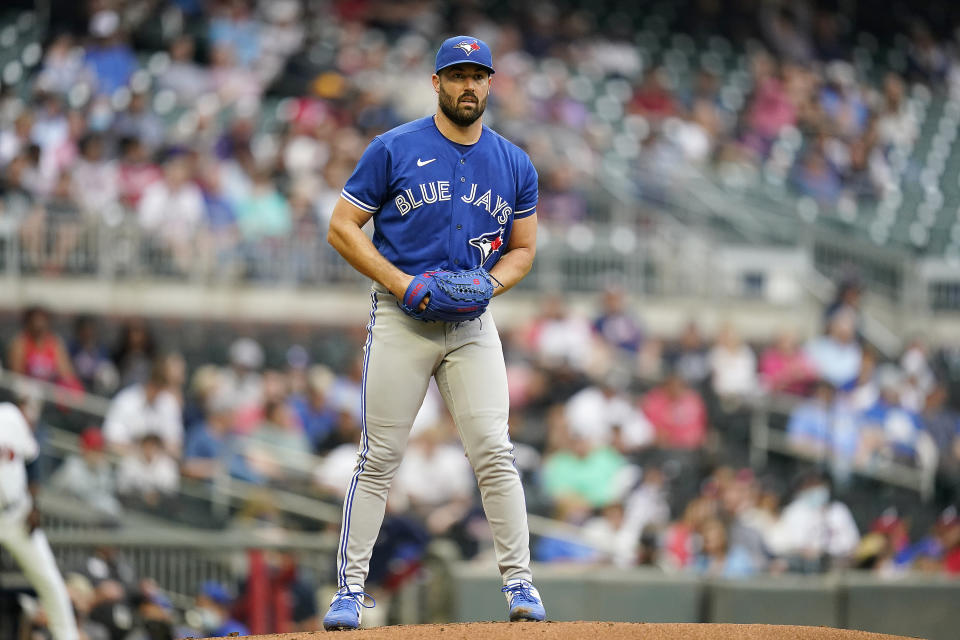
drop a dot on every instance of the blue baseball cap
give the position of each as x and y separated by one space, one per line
464 49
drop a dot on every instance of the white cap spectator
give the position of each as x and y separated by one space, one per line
104 24
247 353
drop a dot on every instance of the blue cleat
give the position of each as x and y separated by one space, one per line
344 612
524 601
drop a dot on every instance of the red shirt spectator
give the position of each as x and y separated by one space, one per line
652 98
39 353
784 368
678 414
136 171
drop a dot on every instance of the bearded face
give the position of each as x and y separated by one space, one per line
463 105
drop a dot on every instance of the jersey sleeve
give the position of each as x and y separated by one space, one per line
367 187
527 194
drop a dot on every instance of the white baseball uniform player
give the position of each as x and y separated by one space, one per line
29 548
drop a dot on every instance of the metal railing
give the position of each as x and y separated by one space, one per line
180 560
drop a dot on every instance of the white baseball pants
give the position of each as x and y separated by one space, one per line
33 554
400 356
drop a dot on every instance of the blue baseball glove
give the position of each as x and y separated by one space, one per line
455 296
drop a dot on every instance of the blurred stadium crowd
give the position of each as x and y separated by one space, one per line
176 118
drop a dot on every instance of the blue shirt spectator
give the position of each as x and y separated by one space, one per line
211 449
238 32
822 425
900 427
113 64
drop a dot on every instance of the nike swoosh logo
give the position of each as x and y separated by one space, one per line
423 163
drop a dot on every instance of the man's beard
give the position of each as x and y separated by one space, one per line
457 113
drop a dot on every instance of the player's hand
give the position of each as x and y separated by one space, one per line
407 279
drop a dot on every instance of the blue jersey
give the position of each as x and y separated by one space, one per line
437 204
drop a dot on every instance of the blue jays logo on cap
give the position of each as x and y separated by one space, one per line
462 50
468 47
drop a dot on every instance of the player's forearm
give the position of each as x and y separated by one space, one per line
512 268
356 248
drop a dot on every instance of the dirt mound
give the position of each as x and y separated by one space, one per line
591 631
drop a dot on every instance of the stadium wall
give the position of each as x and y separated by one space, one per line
915 606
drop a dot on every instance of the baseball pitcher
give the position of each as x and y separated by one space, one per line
454 211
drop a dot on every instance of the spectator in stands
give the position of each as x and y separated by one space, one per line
134 352
233 83
264 214
222 234
847 300
143 409
137 121
646 506
89 477
678 414
733 366
836 356
83 597
784 368
135 171
36 351
611 532
110 57
653 98
338 464
825 428
154 613
172 210
842 102
596 476
242 384
689 356
942 422
65 223
770 107
96 185
679 541
604 414
314 408
111 608
233 26
278 448
617 325
64 67
561 338
813 532
928 553
16 139
890 430
718 556
564 203
918 375
148 475
816 177
212 451
214 607
184 76
437 479
896 123
926 59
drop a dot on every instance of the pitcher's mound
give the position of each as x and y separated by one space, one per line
588 631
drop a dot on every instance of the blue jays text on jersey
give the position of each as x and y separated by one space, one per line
438 204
